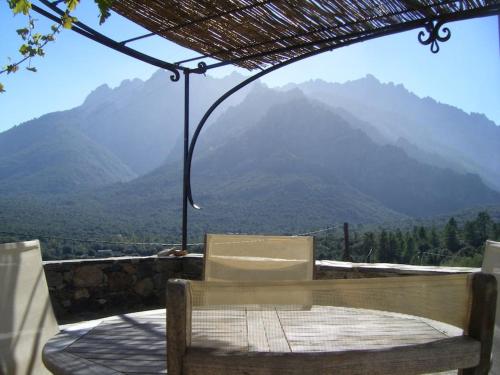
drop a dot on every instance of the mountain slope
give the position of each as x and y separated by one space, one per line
115 135
299 166
470 141
55 159
303 136
140 122
275 162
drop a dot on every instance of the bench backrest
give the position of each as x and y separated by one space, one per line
258 258
491 264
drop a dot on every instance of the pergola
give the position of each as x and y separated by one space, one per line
266 35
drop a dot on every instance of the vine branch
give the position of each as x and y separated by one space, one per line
33 42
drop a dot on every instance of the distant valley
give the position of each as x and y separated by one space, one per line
271 161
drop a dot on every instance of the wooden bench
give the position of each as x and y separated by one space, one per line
312 346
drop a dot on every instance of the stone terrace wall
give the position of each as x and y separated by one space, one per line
94 288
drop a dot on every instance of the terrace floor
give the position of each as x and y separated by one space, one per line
136 343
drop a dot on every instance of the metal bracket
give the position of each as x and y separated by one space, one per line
433 29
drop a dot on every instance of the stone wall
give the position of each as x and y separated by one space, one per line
94 288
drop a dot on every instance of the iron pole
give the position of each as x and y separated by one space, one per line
184 169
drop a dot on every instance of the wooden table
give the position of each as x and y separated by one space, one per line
135 343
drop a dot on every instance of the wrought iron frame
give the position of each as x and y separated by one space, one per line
431 25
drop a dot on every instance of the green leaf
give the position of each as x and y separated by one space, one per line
31 69
20 6
67 21
23 33
71 4
12 68
2 88
24 49
36 38
104 9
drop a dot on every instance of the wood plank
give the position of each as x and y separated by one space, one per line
178 323
442 355
220 328
110 346
90 344
133 366
482 319
319 330
276 337
338 329
257 339
62 363
88 351
144 356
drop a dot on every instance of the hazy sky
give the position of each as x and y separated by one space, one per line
465 73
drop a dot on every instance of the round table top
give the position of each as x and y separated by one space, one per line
136 343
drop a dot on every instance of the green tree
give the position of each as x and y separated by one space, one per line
67 250
394 249
434 239
483 224
408 249
471 235
451 240
384 252
423 242
400 244
368 245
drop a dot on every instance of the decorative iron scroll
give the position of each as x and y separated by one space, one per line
202 68
176 76
433 29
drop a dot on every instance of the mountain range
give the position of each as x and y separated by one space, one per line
445 135
118 134
272 160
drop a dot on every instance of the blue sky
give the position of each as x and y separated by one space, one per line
465 73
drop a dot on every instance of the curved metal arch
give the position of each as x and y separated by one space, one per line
202 68
226 95
432 26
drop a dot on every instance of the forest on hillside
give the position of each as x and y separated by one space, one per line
452 244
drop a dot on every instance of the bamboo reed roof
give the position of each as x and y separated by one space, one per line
258 33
